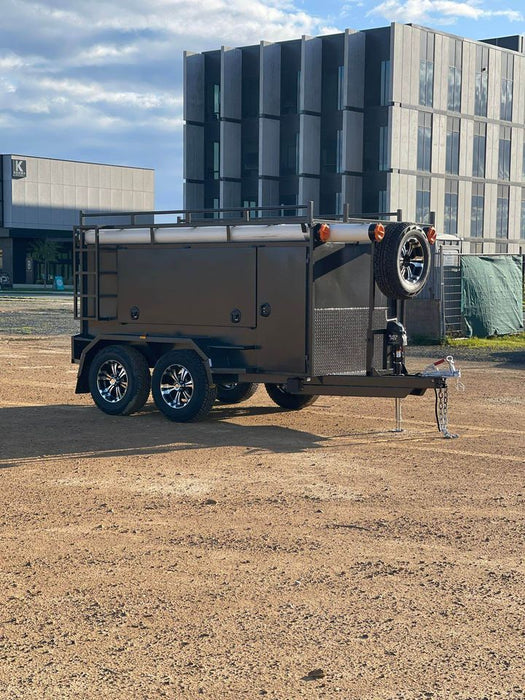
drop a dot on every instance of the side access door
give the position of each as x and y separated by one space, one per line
282 272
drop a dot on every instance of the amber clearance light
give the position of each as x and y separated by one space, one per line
376 232
323 233
431 234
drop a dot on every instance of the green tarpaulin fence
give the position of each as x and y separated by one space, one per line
491 294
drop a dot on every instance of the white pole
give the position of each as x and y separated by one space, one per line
399 417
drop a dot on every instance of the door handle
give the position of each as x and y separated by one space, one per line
235 316
266 310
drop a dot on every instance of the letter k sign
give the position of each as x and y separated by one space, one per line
18 168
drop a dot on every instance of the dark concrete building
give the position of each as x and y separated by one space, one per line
40 199
395 117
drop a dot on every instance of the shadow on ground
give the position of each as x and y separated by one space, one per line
509 358
512 359
47 432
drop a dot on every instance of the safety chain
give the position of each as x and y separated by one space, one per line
442 412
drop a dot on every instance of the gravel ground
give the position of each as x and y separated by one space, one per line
261 553
37 315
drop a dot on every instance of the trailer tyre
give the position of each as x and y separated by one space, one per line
283 398
119 380
235 392
402 261
181 388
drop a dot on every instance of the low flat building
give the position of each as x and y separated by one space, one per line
40 200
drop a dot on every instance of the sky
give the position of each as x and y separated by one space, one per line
101 80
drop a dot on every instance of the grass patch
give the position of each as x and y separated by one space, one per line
497 342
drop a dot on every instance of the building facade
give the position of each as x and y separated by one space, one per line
41 199
400 117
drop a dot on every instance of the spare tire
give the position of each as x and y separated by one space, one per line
402 261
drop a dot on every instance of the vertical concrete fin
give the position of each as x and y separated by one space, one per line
354 70
231 83
193 87
311 69
270 80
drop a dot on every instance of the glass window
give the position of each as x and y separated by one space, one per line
502 212
385 83
522 235
216 159
477 210
340 87
504 153
454 75
290 155
339 162
479 149
426 69
424 141
452 156
216 99
288 200
482 81
423 199
451 206
383 148
522 229
339 204
523 163
507 86
382 202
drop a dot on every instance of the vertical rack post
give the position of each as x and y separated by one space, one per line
97 275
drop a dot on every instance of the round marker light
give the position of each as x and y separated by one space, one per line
376 232
323 233
431 234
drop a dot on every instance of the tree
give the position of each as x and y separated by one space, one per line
44 251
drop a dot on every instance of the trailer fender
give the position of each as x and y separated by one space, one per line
151 347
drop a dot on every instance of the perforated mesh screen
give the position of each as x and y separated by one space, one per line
339 340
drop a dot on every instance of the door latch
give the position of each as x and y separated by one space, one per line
266 310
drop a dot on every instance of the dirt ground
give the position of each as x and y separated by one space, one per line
231 558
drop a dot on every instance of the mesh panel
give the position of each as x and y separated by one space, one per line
339 342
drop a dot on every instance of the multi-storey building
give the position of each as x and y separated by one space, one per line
400 117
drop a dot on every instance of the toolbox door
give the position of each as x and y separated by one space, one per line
201 285
281 308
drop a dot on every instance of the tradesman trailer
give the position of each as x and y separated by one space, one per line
216 302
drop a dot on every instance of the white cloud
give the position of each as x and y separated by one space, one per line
102 80
91 92
126 56
440 11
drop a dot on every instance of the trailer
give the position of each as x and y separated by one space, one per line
200 306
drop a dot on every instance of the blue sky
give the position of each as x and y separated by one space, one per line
100 80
